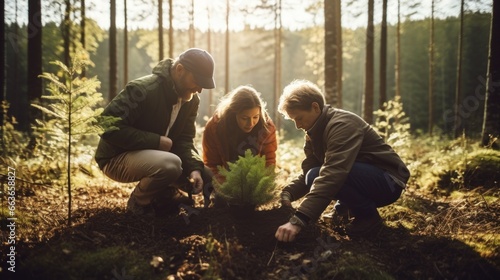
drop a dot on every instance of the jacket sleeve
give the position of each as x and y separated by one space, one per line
127 137
270 145
211 145
298 188
344 139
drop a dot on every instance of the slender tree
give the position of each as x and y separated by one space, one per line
3 105
226 82
170 28
491 123
397 67
278 34
113 63
191 25
383 57
333 53
82 30
160 29
368 90
71 108
209 49
66 27
34 49
2 76
431 71
14 74
2 54
458 88
125 44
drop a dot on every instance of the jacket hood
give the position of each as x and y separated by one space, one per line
162 69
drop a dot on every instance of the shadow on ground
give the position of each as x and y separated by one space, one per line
110 244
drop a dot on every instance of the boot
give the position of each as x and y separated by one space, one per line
364 226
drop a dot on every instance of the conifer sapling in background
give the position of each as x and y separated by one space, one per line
70 111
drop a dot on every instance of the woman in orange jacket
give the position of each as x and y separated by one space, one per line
240 122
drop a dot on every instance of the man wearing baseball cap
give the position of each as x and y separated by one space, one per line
152 142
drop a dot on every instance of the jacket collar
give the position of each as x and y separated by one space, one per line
162 70
319 126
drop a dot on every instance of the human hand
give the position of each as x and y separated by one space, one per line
197 181
287 232
165 144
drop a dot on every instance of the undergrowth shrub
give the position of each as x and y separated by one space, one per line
478 168
13 141
248 181
394 127
14 146
442 164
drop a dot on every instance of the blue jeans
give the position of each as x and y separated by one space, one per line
365 189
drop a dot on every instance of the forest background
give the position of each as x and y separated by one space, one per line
445 126
250 39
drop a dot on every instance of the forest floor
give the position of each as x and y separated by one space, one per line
425 236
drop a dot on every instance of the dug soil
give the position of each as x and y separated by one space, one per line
218 243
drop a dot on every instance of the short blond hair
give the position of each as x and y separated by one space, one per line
300 95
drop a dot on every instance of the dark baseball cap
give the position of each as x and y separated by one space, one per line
201 64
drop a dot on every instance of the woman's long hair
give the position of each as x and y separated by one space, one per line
240 99
231 136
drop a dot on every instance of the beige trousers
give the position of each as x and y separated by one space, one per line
157 173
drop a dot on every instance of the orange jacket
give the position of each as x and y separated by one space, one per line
216 149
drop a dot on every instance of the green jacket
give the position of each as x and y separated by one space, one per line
337 140
145 107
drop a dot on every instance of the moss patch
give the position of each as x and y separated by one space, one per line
67 261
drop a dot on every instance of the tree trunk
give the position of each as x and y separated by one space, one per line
209 49
66 27
383 57
397 70
34 49
160 30
368 91
333 53
277 61
113 64
491 123
2 72
125 44
170 29
226 83
458 126
17 105
82 30
191 26
431 71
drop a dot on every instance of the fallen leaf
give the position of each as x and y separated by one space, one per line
295 256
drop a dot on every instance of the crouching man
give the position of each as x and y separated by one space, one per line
345 160
154 142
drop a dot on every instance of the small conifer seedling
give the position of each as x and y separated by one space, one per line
248 181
